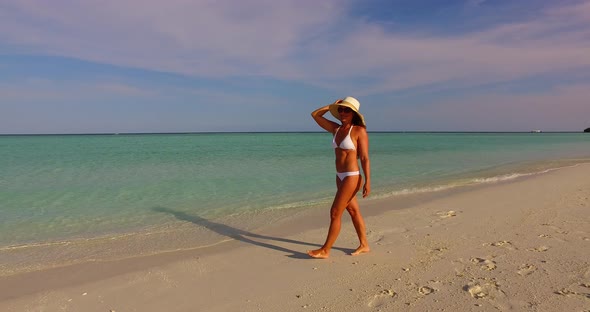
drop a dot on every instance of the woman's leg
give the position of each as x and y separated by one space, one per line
359 225
347 189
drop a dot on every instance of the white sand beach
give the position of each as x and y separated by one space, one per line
522 245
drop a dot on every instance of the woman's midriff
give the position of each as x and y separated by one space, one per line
346 160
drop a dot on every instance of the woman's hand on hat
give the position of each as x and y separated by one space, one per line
338 101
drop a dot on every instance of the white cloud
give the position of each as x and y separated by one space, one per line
554 42
201 38
315 42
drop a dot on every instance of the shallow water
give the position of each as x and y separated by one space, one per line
85 197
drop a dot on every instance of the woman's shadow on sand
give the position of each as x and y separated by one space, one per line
241 235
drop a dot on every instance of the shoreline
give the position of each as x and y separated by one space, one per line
284 222
474 245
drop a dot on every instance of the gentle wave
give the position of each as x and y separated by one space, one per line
110 237
470 182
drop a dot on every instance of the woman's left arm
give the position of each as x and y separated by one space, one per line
363 154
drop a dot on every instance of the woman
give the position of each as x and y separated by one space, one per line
351 143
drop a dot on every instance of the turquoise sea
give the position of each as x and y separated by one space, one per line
71 198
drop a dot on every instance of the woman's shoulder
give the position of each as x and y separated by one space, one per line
360 133
359 129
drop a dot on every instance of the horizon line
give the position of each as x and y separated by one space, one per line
262 132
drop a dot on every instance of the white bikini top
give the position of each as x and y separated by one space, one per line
346 144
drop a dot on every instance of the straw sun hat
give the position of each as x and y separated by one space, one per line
351 102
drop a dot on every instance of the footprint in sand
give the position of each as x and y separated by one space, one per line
503 244
446 214
568 293
539 249
580 289
526 269
483 290
476 291
383 297
425 290
484 264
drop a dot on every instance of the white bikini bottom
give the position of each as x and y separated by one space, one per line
342 175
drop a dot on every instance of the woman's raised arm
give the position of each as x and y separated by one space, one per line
318 116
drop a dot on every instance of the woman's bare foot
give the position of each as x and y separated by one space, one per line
361 250
318 254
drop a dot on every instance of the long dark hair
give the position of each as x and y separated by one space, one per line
356 120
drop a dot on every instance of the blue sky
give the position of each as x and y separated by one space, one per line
264 65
